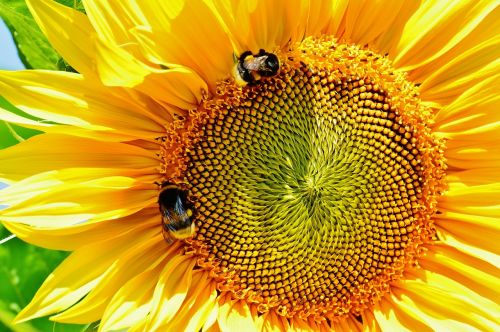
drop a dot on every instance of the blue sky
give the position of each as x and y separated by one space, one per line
8 53
8 59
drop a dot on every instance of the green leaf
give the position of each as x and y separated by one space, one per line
11 134
23 268
33 47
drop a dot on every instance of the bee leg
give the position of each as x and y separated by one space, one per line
247 77
261 52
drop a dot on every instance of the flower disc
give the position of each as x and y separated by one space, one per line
314 188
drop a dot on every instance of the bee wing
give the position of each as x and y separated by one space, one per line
256 63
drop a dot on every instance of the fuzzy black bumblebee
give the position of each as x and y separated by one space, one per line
252 67
175 212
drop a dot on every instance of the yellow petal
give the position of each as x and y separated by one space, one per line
473 154
132 303
487 30
440 303
73 237
68 197
270 322
335 26
310 324
45 152
49 95
235 314
69 31
133 260
475 273
170 291
113 21
461 196
179 87
436 27
369 321
118 67
473 116
67 284
367 20
452 78
388 40
197 306
320 17
390 317
211 324
254 25
347 324
203 47
473 234
130 306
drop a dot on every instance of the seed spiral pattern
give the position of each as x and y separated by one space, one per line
312 189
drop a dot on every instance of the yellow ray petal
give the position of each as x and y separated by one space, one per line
440 303
475 235
465 198
367 20
272 322
132 303
113 21
68 284
473 154
46 152
211 323
473 177
49 95
254 25
369 321
133 260
487 30
310 324
465 70
472 115
41 183
477 274
347 324
389 39
69 31
389 317
208 50
68 197
179 87
234 314
197 306
118 67
170 291
436 27
73 237
103 135
319 16
338 9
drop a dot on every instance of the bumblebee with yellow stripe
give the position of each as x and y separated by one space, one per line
176 213
251 68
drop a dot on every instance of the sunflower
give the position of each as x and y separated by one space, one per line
322 165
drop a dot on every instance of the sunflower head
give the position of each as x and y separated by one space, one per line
305 171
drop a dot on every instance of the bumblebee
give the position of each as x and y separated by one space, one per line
175 213
251 68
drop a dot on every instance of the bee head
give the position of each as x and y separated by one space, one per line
272 64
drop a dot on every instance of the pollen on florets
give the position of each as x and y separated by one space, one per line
313 189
